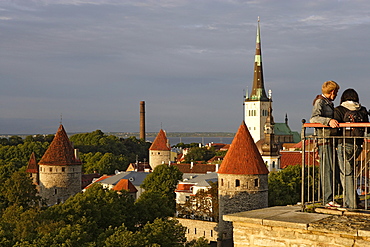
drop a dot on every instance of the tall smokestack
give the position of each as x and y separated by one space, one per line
142 120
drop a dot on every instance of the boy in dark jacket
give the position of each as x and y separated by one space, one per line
350 110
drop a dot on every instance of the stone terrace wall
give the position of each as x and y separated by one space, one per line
287 227
199 228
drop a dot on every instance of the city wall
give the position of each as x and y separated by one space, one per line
288 227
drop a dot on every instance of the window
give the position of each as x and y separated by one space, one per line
256 182
195 230
50 169
55 191
63 169
211 233
222 182
237 183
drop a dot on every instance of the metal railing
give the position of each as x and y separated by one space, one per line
313 167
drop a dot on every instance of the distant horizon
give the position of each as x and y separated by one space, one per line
190 61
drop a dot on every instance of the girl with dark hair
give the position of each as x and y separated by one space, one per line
349 110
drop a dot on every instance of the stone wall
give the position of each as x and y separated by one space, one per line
288 227
58 183
238 193
158 157
198 228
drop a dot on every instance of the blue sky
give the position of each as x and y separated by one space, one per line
94 61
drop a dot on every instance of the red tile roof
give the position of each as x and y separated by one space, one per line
182 187
125 184
160 142
289 158
60 151
97 180
32 166
243 156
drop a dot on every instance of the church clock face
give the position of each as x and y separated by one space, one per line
268 129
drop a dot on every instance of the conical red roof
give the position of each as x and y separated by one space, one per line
60 151
32 166
160 142
243 156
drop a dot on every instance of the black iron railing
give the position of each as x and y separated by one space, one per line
313 179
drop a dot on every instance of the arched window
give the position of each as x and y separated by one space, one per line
237 183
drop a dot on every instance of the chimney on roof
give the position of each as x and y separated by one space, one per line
142 120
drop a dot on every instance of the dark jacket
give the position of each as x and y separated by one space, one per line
339 113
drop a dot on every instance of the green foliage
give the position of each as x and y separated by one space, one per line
162 232
102 206
152 205
199 154
105 154
200 242
19 154
159 192
19 190
285 185
104 164
163 180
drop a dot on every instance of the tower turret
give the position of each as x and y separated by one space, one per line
242 181
59 170
159 151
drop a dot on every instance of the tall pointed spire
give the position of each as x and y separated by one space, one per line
258 90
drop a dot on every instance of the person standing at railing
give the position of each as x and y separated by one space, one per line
349 111
323 113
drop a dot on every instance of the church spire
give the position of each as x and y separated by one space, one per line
258 90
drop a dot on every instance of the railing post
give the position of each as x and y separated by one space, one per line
303 139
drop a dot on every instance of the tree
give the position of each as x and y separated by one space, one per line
103 206
200 242
152 205
19 190
285 185
199 154
165 233
163 179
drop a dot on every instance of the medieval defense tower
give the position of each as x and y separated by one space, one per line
159 151
59 170
256 104
242 182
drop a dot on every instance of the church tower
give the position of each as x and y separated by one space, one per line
256 104
59 170
270 149
159 151
242 182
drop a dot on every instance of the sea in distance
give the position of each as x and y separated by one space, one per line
202 140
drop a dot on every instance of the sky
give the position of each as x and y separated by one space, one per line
88 63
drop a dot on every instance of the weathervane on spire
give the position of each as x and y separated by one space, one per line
61 118
258 19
